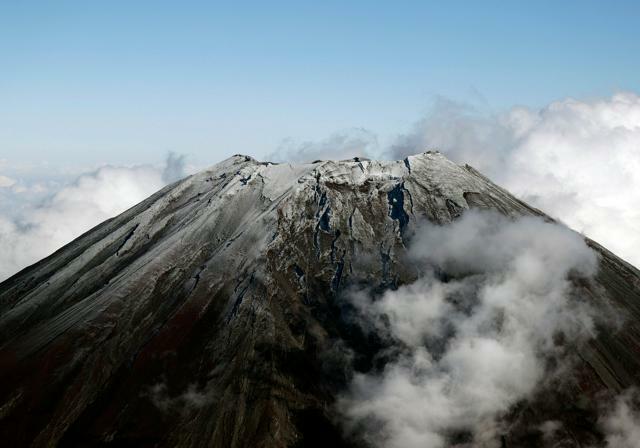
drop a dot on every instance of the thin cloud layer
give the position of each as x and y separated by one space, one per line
339 146
473 346
579 161
38 229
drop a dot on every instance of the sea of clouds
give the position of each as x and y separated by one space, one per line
39 217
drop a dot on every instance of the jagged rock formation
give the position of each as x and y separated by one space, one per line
206 315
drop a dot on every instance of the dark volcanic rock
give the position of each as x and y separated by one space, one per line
207 315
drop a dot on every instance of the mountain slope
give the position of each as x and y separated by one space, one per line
208 315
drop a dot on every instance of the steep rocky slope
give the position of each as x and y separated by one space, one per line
207 315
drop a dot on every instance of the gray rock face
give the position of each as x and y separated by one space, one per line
204 315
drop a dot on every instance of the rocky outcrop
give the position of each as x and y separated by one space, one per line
207 314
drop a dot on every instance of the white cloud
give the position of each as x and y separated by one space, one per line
579 161
6 182
34 231
473 346
621 424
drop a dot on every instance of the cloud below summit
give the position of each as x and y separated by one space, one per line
35 230
471 347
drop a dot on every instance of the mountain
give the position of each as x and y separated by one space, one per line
210 314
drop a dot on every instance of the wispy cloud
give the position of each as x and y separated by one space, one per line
190 399
342 145
621 421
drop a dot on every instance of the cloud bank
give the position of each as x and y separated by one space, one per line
579 161
38 229
476 341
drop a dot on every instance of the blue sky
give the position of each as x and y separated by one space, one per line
126 82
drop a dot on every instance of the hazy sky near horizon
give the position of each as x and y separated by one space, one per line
87 83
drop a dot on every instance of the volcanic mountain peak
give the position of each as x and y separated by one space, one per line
210 314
